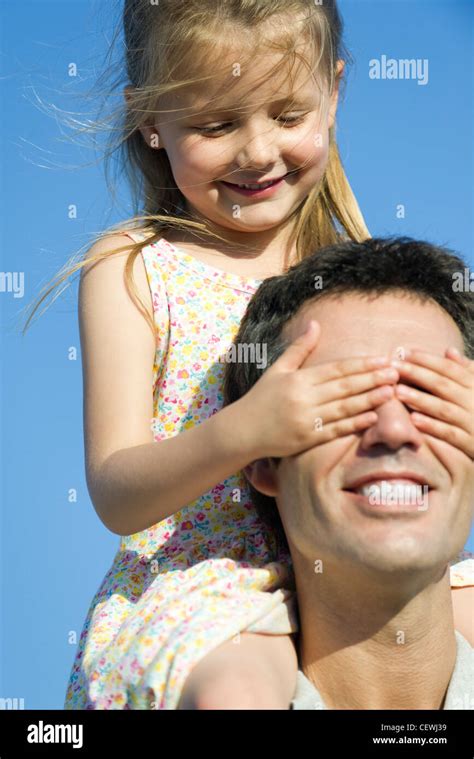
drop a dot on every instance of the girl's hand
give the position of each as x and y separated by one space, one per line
446 410
290 409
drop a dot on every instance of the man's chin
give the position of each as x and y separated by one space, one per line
403 556
393 537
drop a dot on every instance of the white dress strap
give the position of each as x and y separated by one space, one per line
137 235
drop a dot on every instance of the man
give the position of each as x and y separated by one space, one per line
371 557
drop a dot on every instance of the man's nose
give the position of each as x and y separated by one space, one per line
393 428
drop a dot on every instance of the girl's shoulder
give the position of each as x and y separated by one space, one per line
104 271
118 239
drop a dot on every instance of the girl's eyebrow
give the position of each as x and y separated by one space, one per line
210 109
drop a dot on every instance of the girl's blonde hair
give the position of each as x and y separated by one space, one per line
166 41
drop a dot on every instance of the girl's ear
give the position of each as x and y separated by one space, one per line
335 94
262 475
151 136
149 133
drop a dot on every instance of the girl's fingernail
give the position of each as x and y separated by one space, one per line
378 361
455 351
402 354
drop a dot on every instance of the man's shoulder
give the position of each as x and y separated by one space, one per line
306 695
460 693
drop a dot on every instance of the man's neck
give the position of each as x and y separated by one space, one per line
369 647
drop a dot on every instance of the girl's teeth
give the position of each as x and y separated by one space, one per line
256 186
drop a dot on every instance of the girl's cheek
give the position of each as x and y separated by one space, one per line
202 156
186 162
310 155
313 147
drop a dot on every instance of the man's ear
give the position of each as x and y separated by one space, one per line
149 133
262 475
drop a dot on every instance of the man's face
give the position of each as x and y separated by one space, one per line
321 510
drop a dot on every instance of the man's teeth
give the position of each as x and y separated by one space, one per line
384 491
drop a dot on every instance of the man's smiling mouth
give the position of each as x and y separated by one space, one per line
387 476
391 492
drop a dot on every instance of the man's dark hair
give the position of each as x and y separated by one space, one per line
370 268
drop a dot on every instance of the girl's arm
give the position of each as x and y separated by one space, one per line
133 481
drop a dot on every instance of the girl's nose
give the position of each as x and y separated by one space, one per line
259 147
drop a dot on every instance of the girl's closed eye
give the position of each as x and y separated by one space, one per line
293 120
211 129
287 120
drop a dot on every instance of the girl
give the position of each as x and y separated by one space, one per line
229 128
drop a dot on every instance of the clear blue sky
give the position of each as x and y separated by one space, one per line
401 143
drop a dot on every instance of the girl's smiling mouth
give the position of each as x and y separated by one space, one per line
256 189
